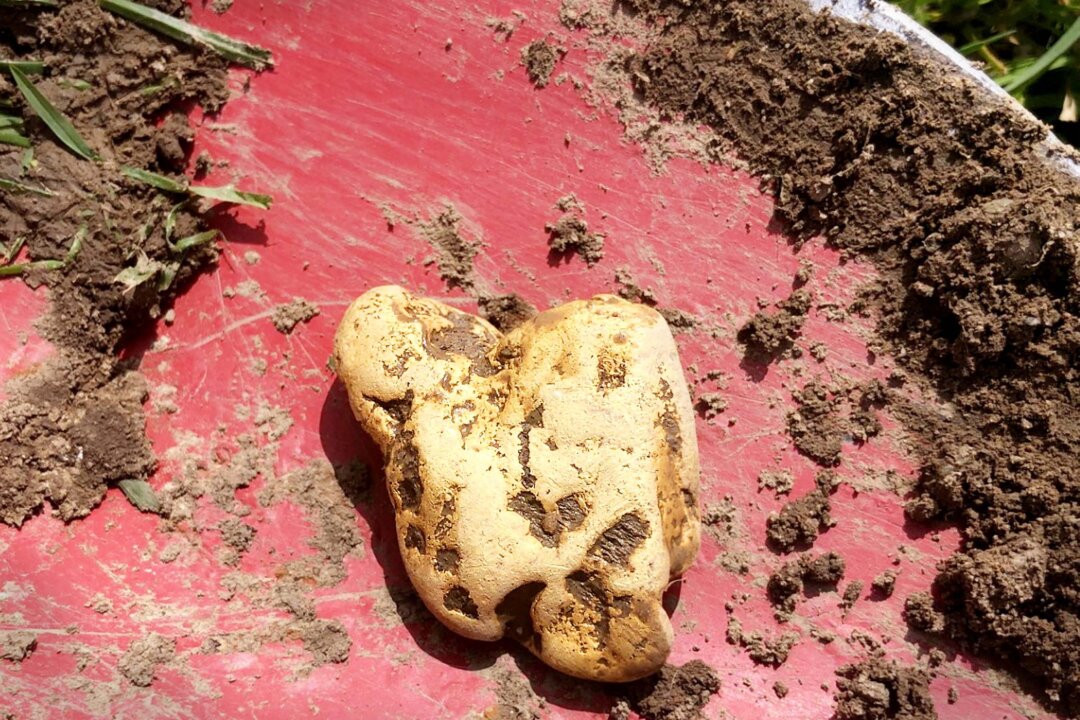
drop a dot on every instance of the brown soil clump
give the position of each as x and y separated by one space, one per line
142 659
75 426
570 234
884 584
287 316
767 336
17 645
506 312
975 233
539 59
762 651
786 584
876 689
799 521
453 252
674 693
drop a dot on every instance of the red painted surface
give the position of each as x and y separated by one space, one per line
413 105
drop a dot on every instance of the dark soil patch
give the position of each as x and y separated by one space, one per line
786 584
769 335
674 693
893 157
505 312
75 426
876 689
17 645
453 252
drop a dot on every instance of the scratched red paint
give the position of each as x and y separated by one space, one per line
413 105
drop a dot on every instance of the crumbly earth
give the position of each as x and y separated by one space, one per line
539 59
977 249
288 315
85 403
876 689
786 584
17 645
674 693
144 656
570 234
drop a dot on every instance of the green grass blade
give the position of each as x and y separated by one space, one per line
11 131
224 193
10 253
24 3
975 45
151 178
194 240
230 194
18 187
30 67
1036 69
11 137
140 494
235 50
63 129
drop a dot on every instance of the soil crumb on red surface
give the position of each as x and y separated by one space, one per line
674 693
876 689
539 59
950 195
288 315
75 426
786 584
144 656
763 651
515 699
17 645
570 234
769 335
453 252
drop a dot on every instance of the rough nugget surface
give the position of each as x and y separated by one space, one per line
544 481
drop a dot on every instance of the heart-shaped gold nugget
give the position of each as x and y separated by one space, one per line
544 481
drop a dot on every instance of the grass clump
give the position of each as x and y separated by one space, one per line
1030 47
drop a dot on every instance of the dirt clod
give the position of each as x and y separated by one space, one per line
768 335
539 59
17 645
876 689
570 234
142 659
288 315
674 693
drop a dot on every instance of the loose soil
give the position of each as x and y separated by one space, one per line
674 693
75 426
892 157
876 689
539 59
288 315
